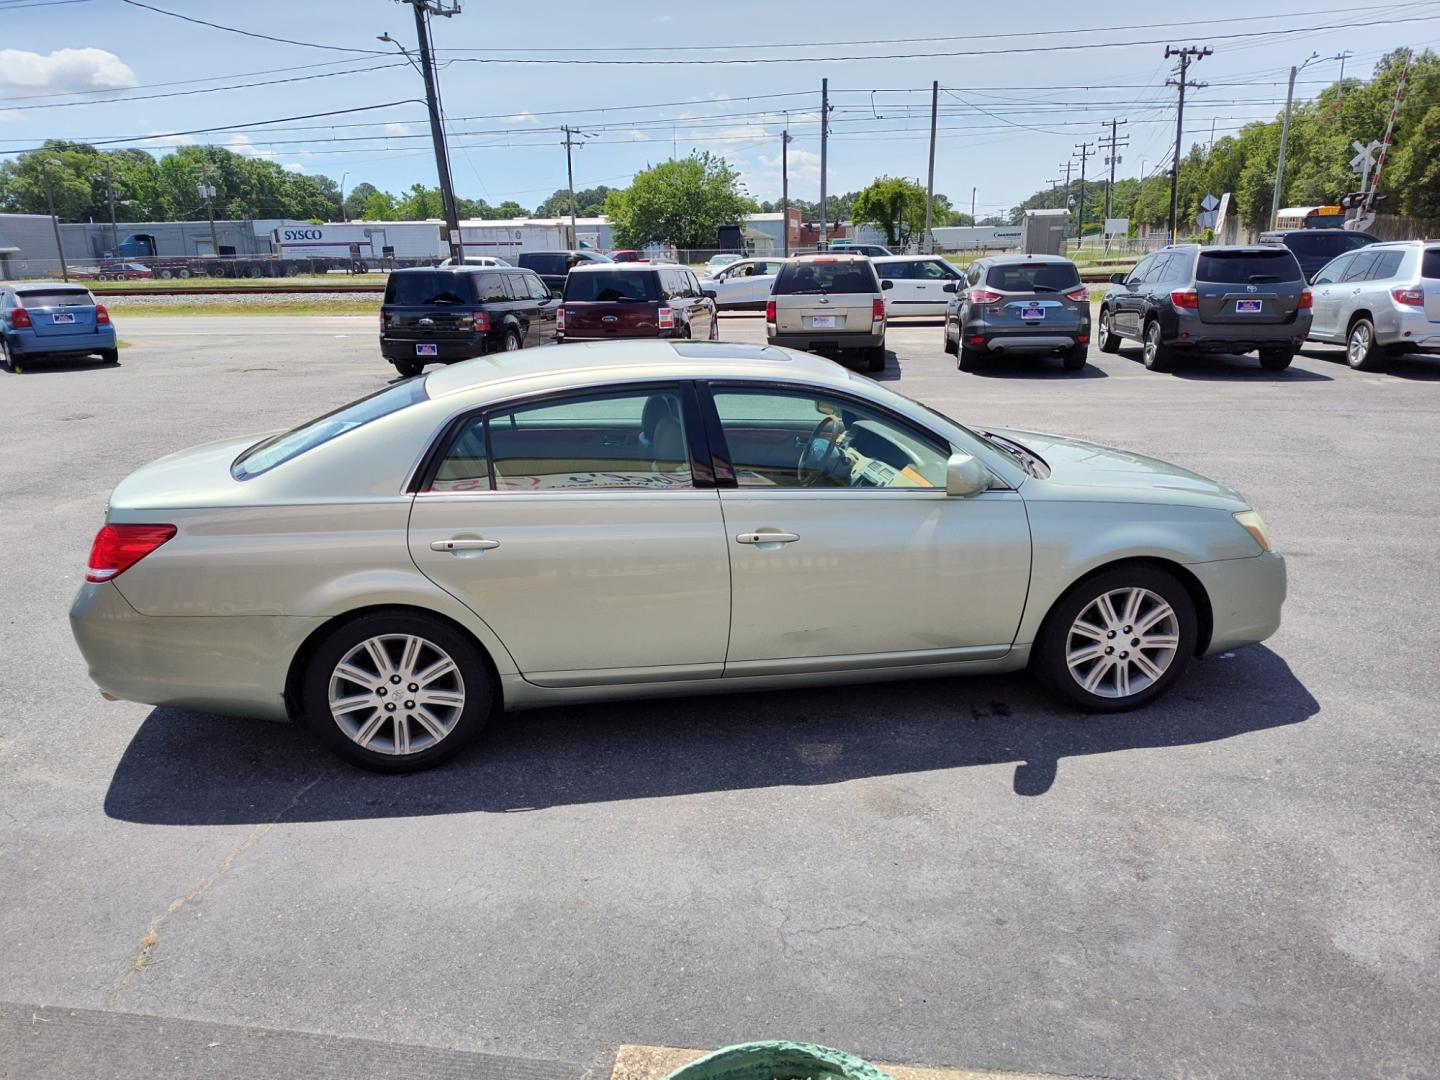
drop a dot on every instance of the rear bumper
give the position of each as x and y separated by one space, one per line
1188 332
617 335
1027 343
1246 596
225 664
27 343
838 342
1411 329
393 348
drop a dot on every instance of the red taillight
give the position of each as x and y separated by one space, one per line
665 319
1188 299
984 297
102 317
20 318
560 320
877 310
1411 297
482 321
119 547
1307 298
1082 339
1078 296
976 339
384 321
769 310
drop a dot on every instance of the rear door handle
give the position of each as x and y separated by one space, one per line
767 538
455 545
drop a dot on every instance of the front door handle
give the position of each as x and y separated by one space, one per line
767 538
455 545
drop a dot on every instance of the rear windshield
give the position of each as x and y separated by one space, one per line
1244 267
1033 277
848 276
1430 264
278 449
420 290
613 286
1324 245
55 298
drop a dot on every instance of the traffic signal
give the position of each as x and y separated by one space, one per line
1356 199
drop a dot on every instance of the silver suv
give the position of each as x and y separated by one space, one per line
1383 300
829 303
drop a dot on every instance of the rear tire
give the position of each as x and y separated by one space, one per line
1075 358
1109 343
1360 350
110 356
875 358
407 369
401 708
7 358
512 342
1157 355
1076 625
951 347
1276 359
166 274
967 359
183 273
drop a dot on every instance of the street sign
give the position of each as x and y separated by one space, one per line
1117 226
1209 203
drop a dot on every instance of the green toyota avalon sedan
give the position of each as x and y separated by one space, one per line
636 518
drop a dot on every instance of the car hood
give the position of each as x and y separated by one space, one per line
197 477
1086 470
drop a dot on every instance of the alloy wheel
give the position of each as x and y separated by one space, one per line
1152 345
512 343
1122 642
396 694
1360 343
1104 325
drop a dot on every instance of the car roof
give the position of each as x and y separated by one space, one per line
1011 260
831 256
46 286
604 363
626 267
906 258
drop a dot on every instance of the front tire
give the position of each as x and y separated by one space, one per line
1117 640
1157 354
396 692
1109 343
1360 350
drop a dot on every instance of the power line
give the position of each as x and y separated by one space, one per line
251 33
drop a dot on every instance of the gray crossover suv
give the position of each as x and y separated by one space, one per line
1018 304
1381 300
1209 299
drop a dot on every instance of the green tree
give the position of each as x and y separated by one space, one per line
357 198
379 206
588 203
682 202
894 205
419 203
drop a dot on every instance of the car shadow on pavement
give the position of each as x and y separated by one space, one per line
1214 367
1418 367
62 367
1034 367
194 769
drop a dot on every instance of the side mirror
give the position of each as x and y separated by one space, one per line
711 293
887 284
965 476
949 286
1117 279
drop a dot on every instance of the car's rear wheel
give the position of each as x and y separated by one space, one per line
396 692
951 346
512 341
1075 358
183 273
875 358
967 359
1118 640
715 326
1360 351
407 368
1109 343
1276 359
110 356
1157 354
7 358
166 274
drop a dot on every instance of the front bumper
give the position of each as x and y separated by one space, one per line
446 351
234 664
1246 596
28 343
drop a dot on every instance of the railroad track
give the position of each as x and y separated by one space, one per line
234 290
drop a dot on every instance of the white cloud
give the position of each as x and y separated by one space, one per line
168 142
63 71
243 144
293 166
397 129
639 136
664 18
764 182
525 116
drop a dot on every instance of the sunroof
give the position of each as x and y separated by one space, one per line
709 350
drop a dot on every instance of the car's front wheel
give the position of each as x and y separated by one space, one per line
1117 640
396 692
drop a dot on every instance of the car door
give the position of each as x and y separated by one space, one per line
845 550
702 310
929 277
1374 293
585 530
899 297
1325 298
1127 303
543 323
750 286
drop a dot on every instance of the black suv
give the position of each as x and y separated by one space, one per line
1209 299
552 266
440 315
1316 247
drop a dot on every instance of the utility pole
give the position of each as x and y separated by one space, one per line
1342 57
1285 137
207 192
570 134
785 193
972 206
1113 145
1086 149
46 166
423 10
1185 55
930 183
824 149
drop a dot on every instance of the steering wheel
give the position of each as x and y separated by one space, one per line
819 451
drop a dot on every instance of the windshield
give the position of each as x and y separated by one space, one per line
278 449
613 287
1033 277
422 290
841 276
33 298
1245 267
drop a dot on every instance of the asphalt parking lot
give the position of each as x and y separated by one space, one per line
1238 882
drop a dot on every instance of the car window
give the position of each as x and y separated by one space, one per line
1387 265
490 289
1033 277
1360 269
935 270
633 440
278 449
804 439
896 271
839 276
538 289
1142 268
35 298
1334 270
1430 264
613 286
1324 243
771 268
1247 267
424 289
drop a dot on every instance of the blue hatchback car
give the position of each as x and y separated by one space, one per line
51 319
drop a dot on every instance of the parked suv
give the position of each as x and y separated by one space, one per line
872 251
552 266
1378 301
1014 304
440 315
1209 299
829 303
51 319
621 300
1313 248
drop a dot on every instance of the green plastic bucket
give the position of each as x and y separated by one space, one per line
778 1061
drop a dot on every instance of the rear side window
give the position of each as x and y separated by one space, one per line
490 289
898 271
848 276
56 298
1361 267
538 289
543 263
1430 264
278 449
1033 277
1387 265
422 290
1246 267
613 287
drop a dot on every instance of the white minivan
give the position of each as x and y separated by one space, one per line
920 282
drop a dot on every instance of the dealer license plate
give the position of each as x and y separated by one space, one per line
824 322
425 350
1249 307
1032 313
60 317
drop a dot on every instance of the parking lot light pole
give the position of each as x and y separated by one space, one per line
45 168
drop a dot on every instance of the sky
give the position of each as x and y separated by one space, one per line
1018 95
